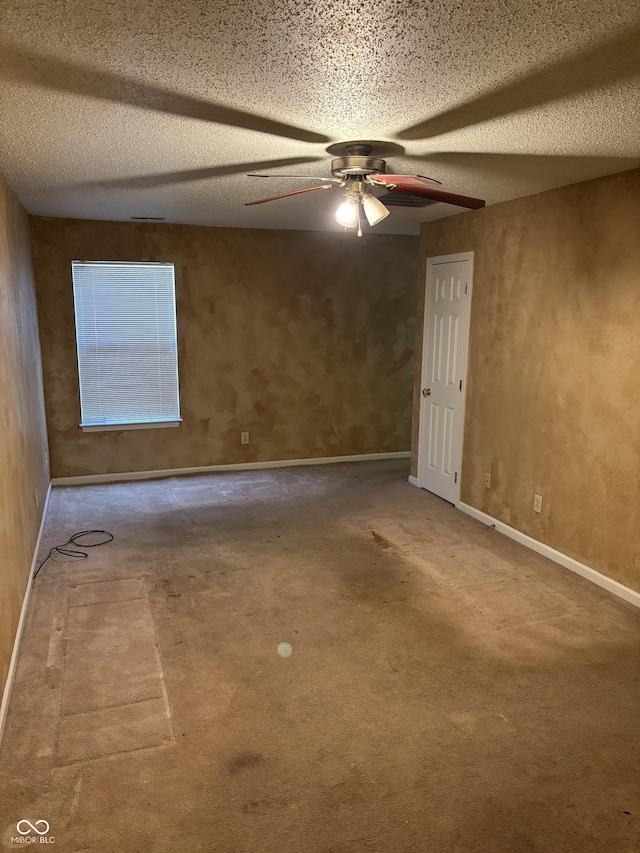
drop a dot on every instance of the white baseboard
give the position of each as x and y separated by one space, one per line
125 476
413 480
581 569
4 705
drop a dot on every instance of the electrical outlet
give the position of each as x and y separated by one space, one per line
244 438
487 480
537 503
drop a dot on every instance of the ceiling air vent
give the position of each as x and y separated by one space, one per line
149 218
398 199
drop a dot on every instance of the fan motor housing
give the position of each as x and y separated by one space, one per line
352 166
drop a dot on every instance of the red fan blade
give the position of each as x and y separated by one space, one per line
438 195
408 181
286 195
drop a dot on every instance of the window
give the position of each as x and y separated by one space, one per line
127 349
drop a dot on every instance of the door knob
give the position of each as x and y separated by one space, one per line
426 392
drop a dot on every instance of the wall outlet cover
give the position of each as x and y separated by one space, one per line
537 503
487 480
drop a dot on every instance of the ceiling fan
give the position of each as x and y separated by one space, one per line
358 172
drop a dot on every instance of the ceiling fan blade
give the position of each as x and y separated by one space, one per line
62 75
299 177
614 60
286 195
439 195
166 178
405 180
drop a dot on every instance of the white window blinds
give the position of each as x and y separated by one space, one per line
126 336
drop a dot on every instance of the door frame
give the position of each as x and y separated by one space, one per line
432 261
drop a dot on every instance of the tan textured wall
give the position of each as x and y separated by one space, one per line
23 437
553 402
304 339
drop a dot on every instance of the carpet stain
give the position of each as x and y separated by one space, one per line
381 541
244 761
265 804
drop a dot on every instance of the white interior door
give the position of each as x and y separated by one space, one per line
444 365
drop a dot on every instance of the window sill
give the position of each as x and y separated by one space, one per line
122 427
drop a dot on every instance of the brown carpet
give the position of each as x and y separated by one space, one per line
447 689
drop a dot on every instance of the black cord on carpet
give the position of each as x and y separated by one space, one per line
75 552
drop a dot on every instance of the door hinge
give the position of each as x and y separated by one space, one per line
455 477
461 384
466 289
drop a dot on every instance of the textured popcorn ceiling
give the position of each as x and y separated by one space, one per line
496 99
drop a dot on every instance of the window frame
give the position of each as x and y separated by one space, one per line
163 423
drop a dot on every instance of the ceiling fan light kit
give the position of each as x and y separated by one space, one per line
374 209
347 213
358 172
